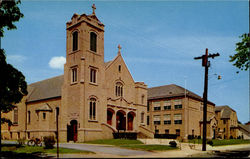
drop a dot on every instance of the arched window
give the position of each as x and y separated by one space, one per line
75 41
119 89
93 38
92 109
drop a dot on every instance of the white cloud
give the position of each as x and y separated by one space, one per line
14 59
57 62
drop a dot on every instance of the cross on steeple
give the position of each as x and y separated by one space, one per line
119 48
94 8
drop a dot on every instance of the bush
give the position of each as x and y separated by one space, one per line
172 144
210 142
49 142
20 142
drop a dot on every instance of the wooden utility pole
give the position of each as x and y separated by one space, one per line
206 64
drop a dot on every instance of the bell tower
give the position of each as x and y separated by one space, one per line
84 75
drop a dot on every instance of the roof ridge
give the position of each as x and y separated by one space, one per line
45 80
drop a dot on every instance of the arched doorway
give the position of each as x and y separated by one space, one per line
110 113
131 116
72 131
120 120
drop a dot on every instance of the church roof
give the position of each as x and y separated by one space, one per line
225 111
171 90
46 89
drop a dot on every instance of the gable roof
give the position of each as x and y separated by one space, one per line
225 111
171 90
46 89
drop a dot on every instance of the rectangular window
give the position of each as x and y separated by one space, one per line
44 116
166 131
167 105
15 120
92 75
177 119
178 132
147 120
74 75
167 119
156 131
157 106
157 119
224 121
142 117
178 104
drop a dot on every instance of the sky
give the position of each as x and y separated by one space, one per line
159 41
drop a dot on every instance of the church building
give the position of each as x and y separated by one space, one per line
94 98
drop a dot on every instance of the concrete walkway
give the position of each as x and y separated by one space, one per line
105 149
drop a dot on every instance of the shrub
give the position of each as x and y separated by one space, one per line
172 144
210 142
49 142
20 142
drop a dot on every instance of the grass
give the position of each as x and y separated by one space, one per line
115 142
217 142
229 142
37 149
132 144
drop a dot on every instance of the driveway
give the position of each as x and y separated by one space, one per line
106 149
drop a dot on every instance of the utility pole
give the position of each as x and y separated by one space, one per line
206 64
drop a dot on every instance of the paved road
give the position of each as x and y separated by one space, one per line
105 149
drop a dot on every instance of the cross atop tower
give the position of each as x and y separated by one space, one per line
94 8
119 48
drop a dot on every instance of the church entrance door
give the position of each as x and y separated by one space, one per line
110 113
131 116
121 120
72 131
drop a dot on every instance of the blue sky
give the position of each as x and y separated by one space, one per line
159 40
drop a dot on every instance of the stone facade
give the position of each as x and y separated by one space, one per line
94 98
174 110
227 122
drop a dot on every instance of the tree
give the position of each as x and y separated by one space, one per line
12 82
242 57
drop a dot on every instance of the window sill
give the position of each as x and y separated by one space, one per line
95 121
93 52
73 83
14 124
95 84
72 52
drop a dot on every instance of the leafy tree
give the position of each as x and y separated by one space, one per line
242 57
12 82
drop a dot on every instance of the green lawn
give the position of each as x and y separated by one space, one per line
217 142
115 142
229 142
132 144
37 149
